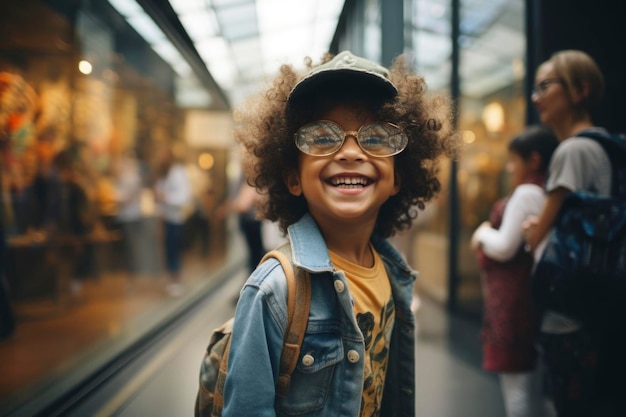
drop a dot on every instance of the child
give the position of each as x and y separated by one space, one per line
343 153
509 317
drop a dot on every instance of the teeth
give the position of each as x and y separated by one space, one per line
352 182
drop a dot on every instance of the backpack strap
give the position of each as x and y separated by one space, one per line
298 306
614 145
218 392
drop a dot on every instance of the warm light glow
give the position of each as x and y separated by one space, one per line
468 136
493 117
85 67
206 161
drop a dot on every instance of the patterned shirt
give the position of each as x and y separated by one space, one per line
374 312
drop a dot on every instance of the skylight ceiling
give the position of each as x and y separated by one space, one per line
190 92
492 43
243 42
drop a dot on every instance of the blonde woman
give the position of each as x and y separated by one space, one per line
584 377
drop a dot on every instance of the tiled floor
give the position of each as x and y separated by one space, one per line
450 382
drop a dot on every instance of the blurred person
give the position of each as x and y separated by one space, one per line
43 188
27 209
246 204
74 217
106 199
585 377
19 104
197 224
172 192
7 317
510 320
128 188
341 154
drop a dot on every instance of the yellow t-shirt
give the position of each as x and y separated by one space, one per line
374 311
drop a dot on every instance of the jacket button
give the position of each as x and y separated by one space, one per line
308 360
339 286
353 356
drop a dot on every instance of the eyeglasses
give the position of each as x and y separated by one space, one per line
542 86
323 138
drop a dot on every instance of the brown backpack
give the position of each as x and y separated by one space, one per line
210 398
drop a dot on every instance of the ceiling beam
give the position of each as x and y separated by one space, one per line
164 16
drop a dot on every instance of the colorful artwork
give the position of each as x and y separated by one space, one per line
18 106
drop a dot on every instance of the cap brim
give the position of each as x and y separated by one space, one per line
324 81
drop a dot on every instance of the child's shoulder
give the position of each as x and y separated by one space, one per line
267 274
529 188
525 191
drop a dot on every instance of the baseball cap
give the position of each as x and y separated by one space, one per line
345 69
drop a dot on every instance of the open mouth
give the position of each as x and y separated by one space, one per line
350 182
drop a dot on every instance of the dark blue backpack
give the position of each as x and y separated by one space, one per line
582 271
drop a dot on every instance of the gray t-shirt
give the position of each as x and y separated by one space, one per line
578 164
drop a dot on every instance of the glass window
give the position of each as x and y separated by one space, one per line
491 112
99 181
431 48
372 33
491 109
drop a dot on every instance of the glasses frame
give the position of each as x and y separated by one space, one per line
355 135
543 85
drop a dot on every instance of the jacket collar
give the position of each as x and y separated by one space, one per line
309 249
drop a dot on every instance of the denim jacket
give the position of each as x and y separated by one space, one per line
331 384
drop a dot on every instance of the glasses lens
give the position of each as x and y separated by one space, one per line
382 139
543 85
319 138
324 138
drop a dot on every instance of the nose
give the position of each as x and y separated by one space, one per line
535 96
350 149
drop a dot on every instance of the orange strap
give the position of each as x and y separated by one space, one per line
298 305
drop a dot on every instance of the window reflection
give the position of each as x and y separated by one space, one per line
491 109
87 109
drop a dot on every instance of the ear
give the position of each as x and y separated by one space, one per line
292 181
534 161
581 94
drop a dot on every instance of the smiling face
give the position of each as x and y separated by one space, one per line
349 186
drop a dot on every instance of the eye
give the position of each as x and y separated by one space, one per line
322 137
322 140
543 85
374 136
373 141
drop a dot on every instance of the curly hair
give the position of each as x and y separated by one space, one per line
265 126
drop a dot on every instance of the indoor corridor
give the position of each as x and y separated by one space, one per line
162 379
